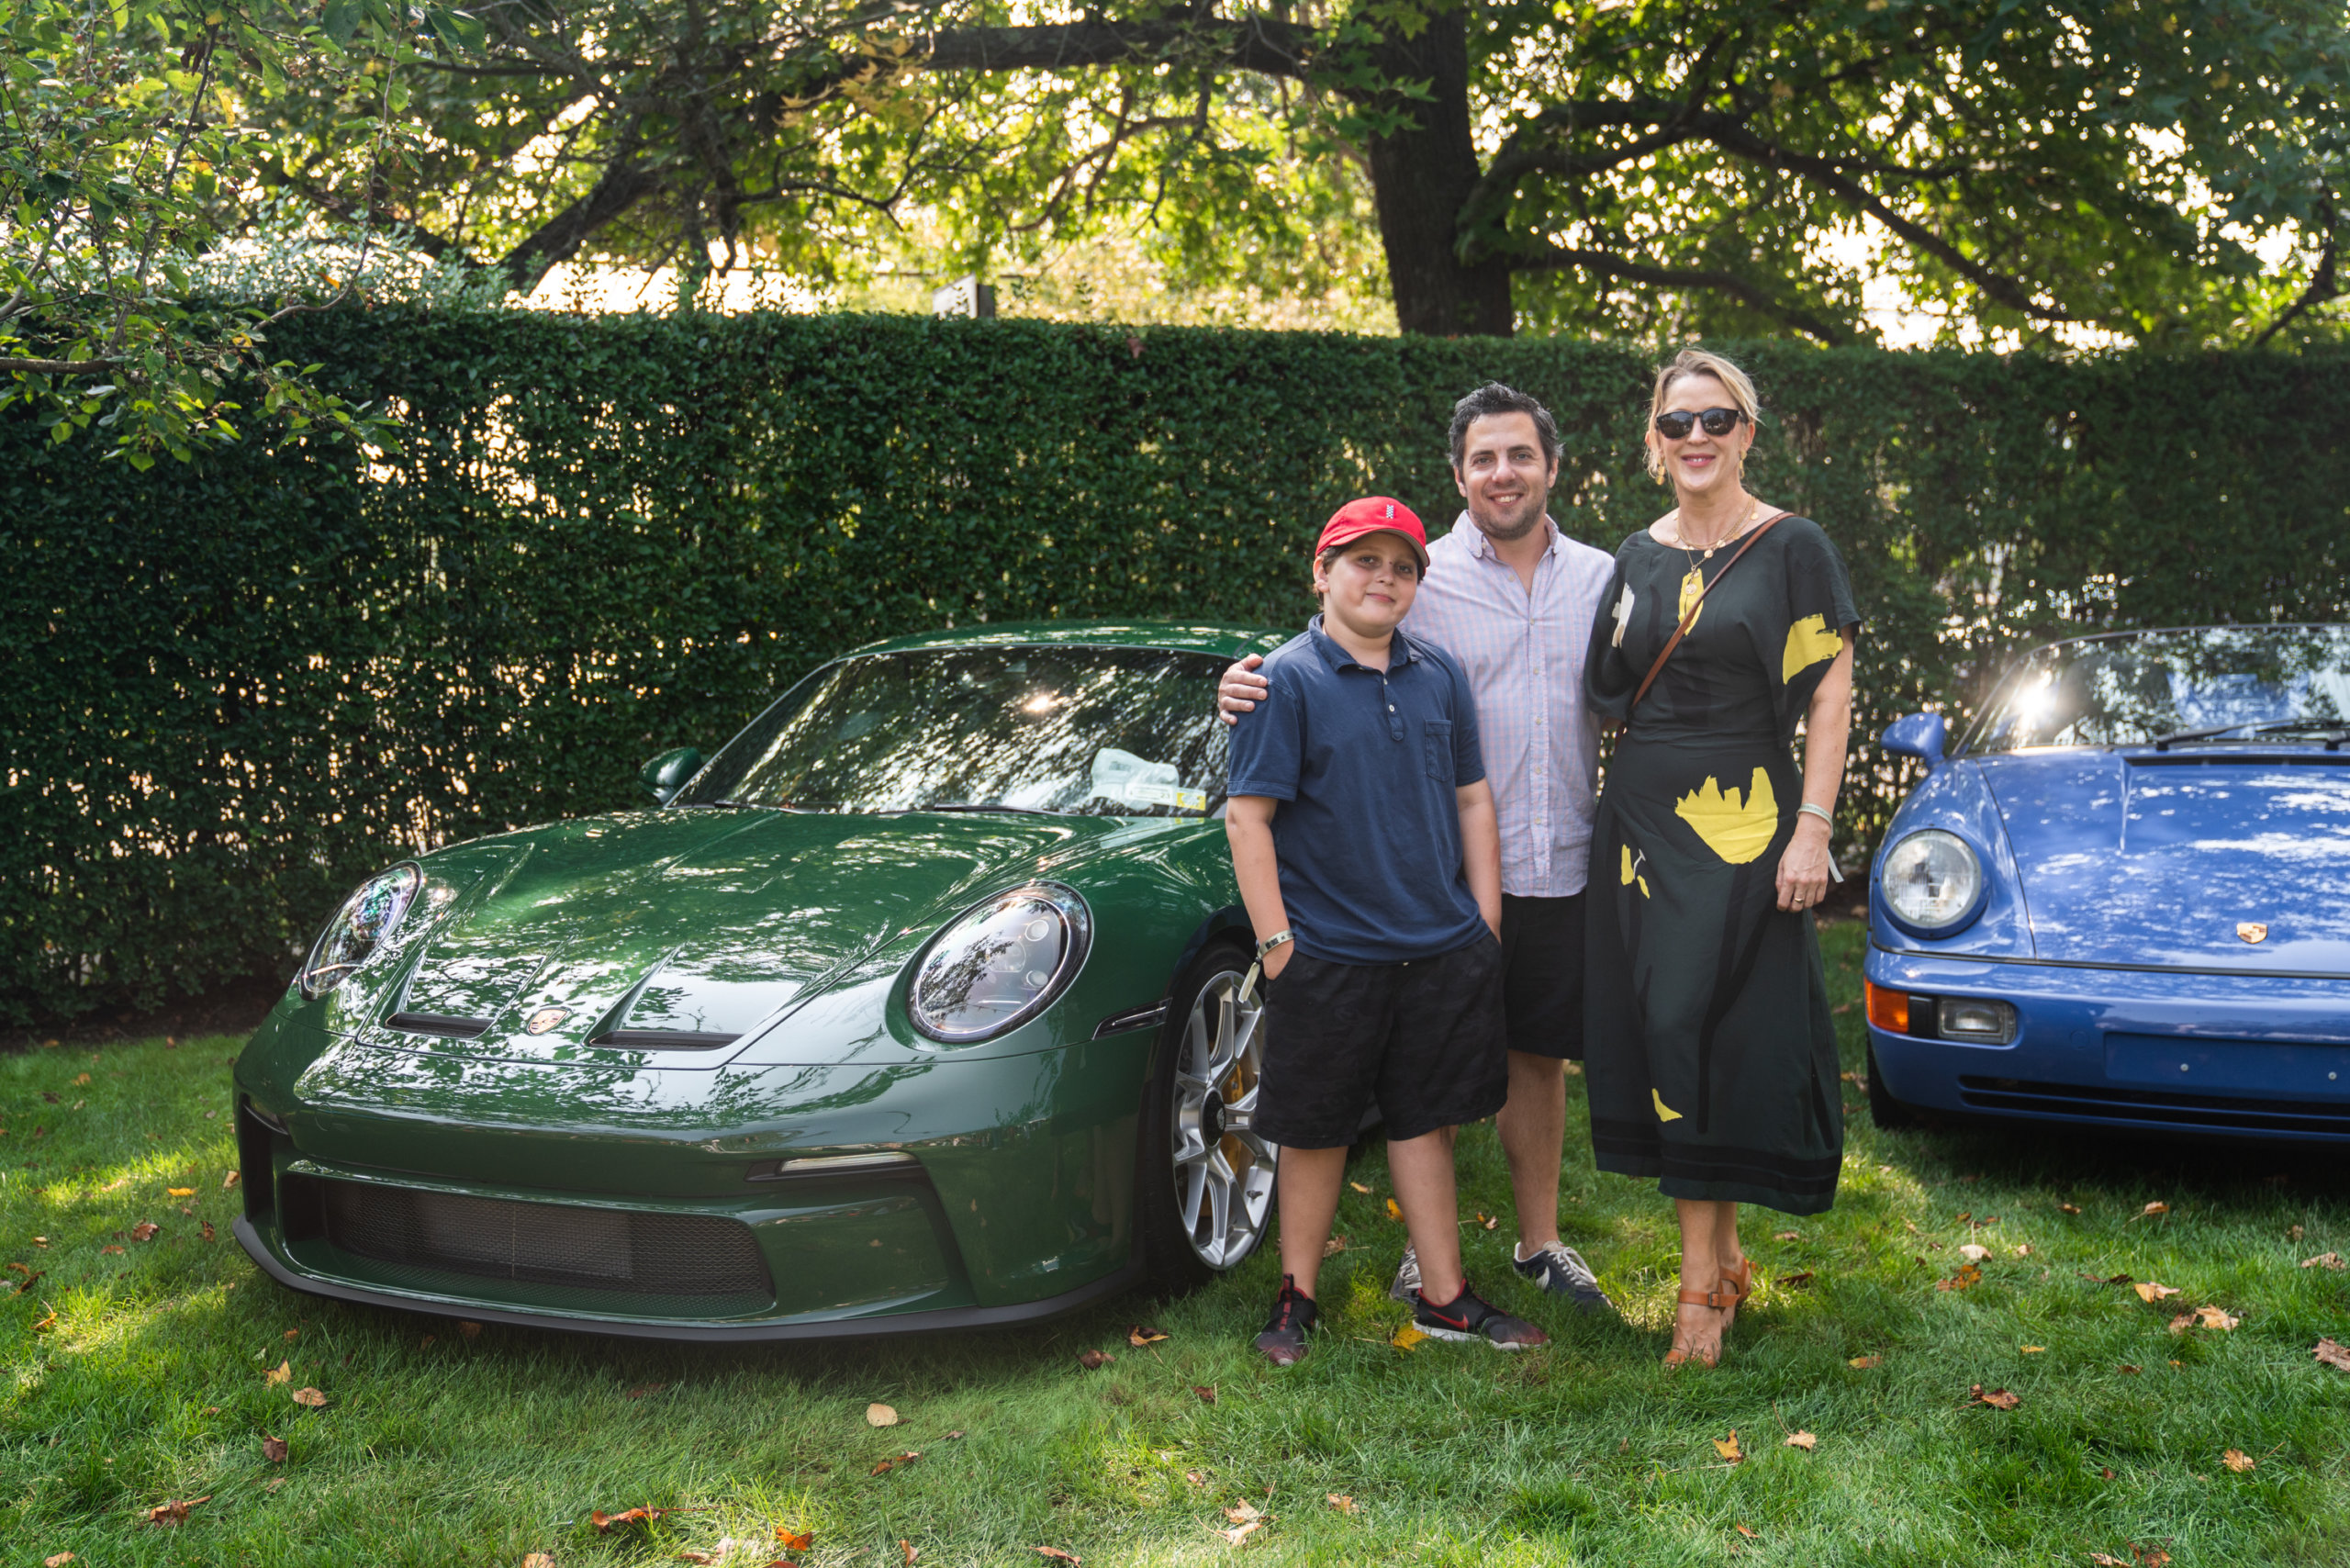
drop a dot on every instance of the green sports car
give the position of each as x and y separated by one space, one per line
917 1006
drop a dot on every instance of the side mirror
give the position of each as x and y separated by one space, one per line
1916 734
660 779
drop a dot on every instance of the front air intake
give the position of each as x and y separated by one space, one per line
701 1263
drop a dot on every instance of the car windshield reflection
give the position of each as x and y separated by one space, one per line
1080 732
2214 685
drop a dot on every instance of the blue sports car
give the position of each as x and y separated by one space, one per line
2124 899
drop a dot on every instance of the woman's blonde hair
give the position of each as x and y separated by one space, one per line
1691 363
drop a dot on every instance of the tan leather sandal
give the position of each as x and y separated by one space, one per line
1735 1288
1676 1356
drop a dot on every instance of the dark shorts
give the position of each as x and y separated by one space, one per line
1542 975
1421 1040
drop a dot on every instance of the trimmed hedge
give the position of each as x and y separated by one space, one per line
234 688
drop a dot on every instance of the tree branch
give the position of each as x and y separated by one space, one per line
2322 288
1558 258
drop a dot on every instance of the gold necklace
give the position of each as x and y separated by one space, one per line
1693 585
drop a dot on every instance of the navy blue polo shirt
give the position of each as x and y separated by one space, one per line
1365 763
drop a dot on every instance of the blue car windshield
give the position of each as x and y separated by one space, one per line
1069 731
2215 685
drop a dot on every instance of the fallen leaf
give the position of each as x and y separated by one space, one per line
605 1522
1998 1399
1969 1274
2323 1260
889 1464
1239 1533
273 1448
2327 1351
230 1179
2238 1460
1973 1253
2105 1473
1803 1440
908 1547
292 1334
1728 1448
648 1391
179 1192
880 1415
1394 1210
1487 1222
1140 1335
1360 1188
144 1230
1794 1282
1333 1246
110 1247
1196 1477
2150 1556
706 1559
1406 1336
2126 1369
470 1331
2034 1350
1240 1513
310 1398
1970 1180
2105 1560
1864 1362
950 1437
2293 1233
1094 1361
29 1277
1787 1235
283 1372
1207 1394
60 1561
1056 1554
2023 1249
204 1230
1341 1502
1747 1533
174 1513
2152 1290
50 1322
2069 1208
795 1540
2154 1209
2218 1317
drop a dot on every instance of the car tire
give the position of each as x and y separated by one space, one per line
1204 1192
1891 1114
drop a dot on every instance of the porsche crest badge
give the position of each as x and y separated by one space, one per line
546 1018
2251 930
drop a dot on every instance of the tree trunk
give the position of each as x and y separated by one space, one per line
1420 176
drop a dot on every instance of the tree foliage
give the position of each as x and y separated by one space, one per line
1611 165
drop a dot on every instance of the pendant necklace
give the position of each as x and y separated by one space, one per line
1694 585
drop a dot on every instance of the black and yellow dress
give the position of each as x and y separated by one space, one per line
1711 1050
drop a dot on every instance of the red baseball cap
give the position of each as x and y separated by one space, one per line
1374 514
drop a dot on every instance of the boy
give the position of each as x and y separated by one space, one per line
1364 837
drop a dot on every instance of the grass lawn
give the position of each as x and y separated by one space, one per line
149 1383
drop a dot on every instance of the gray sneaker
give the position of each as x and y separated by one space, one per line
1560 1269
1406 1288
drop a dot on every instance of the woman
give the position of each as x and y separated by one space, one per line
1712 1053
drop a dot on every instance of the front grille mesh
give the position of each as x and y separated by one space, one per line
712 1263
2121 1103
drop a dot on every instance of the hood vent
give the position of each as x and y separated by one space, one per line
448 1026
663 1039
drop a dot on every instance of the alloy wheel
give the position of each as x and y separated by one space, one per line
1223 1170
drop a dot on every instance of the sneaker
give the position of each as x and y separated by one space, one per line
1284 1340
1472 1317
1406 1288
1560 1269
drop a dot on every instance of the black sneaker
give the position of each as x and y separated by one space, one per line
1407 1285
1470 1316
1284 1340
1560 1269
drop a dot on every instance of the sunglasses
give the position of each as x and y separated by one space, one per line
1676 425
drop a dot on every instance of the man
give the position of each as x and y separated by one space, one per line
1512 599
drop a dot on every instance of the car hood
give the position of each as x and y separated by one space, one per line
2202 859
704 922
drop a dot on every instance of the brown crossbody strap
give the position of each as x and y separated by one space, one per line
1691 619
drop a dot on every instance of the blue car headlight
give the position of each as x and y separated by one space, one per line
1933 882
999 963
359 929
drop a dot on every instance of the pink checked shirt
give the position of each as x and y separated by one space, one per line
1523 655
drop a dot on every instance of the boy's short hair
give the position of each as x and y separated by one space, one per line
1492 399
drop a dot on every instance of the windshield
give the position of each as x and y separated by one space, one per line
2219 684
1085 732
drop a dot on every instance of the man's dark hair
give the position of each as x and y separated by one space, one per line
1493 397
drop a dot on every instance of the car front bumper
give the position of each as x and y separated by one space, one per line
2253 1056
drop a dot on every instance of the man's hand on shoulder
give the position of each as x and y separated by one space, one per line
1241 687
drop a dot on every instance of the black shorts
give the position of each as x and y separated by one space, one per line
1421 1040
1542 975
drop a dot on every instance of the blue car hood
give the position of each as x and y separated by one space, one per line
2203 859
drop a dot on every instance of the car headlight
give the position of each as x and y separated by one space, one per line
359 928
999 963
1932 881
